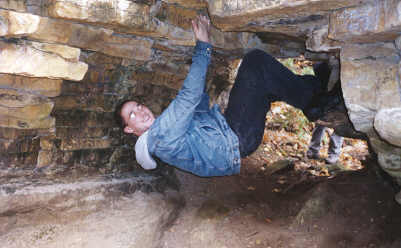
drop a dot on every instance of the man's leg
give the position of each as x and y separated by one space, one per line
250 100
335 145
315 143
261 79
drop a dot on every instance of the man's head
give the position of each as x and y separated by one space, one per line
135 118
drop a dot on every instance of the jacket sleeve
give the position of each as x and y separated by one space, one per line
175 120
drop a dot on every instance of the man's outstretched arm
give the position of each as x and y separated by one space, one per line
180 112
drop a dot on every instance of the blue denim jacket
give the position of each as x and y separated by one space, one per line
189 134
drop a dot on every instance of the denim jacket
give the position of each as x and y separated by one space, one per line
191 136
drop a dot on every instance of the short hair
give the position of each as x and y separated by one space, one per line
117 114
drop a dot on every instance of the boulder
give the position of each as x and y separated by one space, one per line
388 124
369 82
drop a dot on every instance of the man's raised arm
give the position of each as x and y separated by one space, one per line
179 113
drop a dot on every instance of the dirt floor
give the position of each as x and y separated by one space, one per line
283 199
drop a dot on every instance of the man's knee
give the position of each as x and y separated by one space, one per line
256 61
257 55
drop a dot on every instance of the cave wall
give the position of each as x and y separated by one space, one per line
66 64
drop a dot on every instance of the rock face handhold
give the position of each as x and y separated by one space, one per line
24 59
159 21
126 17
235 15
319 42
388 125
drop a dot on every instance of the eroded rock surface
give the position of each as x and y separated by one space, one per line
107 213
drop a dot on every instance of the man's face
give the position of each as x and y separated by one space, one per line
138 118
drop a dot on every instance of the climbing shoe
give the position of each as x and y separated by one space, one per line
312 154
331 159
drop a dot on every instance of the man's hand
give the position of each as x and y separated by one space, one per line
201 27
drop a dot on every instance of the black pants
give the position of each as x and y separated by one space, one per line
261 79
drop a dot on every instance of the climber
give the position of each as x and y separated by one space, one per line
201 140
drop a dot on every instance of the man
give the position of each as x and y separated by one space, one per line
193 137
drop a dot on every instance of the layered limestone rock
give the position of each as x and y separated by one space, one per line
24 102
289 17
86 132
16 5
14 24
195 4
129 17
14 122
24 110
123 12
30 73
24 106
36 60
160 20
42 86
